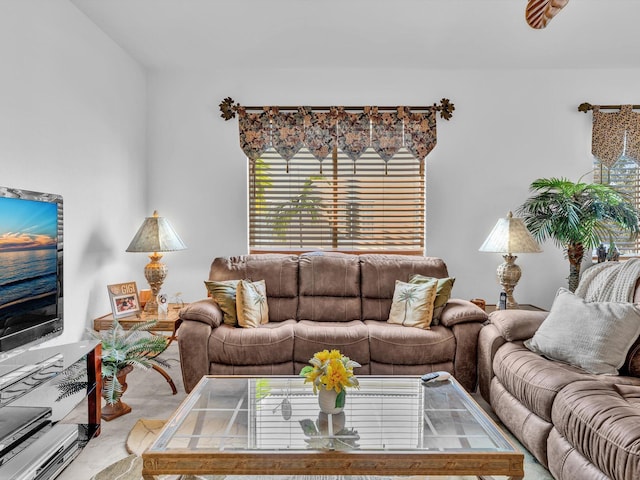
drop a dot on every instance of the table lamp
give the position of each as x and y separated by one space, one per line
509 236
155 235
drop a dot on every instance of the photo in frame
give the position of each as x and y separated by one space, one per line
124 299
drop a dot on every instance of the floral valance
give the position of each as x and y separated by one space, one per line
615 134
351 129
386 132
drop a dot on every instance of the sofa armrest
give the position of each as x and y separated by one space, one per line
460 311
193 346
465 363
516 325
489 341
205 311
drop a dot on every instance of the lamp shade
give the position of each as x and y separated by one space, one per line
156 235
510 235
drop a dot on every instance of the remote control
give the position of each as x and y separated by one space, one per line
503 301
435 377
427 377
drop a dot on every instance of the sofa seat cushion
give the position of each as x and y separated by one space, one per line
532 379
262 370
417 370
396 344
351 338
266 344
602 425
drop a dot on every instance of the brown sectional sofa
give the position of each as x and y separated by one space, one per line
579 425
321 300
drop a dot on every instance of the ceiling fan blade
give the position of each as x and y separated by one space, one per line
540 12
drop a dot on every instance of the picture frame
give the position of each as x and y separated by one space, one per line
124 300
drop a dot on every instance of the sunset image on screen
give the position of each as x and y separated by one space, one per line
27 225
28 255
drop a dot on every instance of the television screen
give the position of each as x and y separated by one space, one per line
30 267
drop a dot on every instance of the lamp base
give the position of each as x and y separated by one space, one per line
151 307
508 275
155 272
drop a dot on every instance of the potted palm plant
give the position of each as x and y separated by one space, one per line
123 350
577 216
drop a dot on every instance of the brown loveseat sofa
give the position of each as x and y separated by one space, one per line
322 301
581 426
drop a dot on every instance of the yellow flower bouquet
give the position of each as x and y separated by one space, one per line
330 370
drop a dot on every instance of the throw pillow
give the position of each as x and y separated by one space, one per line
443 293
224 294
251 304
594 336
413 304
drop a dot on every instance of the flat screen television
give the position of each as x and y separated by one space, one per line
31 297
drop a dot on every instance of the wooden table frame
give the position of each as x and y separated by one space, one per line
334 462
337 463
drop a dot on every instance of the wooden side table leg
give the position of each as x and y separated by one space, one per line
94 378
167 377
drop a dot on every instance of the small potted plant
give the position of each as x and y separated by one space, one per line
122 351
330 373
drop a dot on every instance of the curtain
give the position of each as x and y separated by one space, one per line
615 134
353 133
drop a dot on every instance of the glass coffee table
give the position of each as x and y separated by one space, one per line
391 426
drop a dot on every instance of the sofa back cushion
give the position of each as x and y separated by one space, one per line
329 287
280 273
380 272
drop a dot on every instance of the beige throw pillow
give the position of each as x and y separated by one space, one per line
594 336
413 304
251 304
443 293
224 294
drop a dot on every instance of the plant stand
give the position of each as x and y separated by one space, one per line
115 410
109 412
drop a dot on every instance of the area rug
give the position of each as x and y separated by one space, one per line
130 468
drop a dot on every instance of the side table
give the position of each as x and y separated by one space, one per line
168 322
522 306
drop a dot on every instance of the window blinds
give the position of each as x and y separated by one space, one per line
624 176
338 205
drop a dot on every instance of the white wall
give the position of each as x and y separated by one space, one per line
509 128
72 122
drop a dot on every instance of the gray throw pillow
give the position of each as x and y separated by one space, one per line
594 336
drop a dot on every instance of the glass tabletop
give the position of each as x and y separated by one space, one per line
385 414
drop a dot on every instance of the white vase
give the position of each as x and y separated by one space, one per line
327 401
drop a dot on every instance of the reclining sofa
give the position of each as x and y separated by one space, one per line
579 425
320 301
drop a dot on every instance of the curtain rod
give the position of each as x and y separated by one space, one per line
229 108
585 107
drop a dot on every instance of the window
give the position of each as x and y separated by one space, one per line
624 176
340 205
615 144
339 178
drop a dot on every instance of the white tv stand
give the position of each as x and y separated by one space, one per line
31 379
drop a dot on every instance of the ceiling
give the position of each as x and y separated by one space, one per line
258 34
